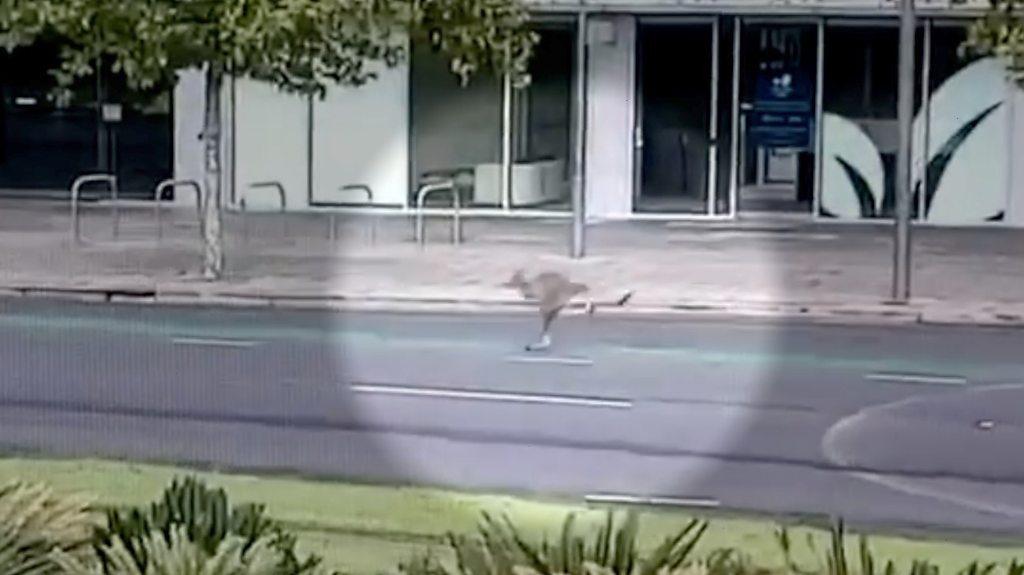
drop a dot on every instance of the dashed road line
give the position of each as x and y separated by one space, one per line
555 360
496 396
209 342
687 502
917 379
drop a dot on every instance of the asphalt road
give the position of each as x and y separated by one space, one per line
904 426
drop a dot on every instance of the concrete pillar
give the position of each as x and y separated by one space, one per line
611 110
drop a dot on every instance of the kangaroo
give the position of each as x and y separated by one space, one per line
552 292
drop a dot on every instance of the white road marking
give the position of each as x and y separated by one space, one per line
576 361
208 342
914 489
903 484
506 397
690 502
920 379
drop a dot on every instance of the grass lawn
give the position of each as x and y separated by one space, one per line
368 530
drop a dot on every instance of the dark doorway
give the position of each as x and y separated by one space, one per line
675 91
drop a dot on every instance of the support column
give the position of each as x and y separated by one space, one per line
579 216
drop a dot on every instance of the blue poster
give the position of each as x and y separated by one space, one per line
783 110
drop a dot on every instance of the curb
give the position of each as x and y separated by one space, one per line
208 294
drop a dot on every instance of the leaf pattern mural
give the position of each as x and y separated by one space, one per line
938 164
977 91
861 187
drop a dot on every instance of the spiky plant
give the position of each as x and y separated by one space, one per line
206 518
499 548
35 522
178 554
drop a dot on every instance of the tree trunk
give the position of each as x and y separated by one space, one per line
213 237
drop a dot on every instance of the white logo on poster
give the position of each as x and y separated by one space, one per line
782 86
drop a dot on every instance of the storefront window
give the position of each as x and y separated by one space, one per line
542 169
68 132
40 129
138 146
456 130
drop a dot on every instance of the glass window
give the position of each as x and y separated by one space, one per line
139 147
41 130
456 130
542 172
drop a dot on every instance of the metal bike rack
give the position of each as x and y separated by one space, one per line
333 233
158 204
76 191
421 197
264 185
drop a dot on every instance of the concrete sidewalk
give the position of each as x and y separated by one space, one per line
821 271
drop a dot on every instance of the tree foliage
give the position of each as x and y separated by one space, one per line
1000 33
300 45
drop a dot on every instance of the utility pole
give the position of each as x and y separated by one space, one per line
577 249
904 178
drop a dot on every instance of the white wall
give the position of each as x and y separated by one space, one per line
610 117
271 144
361 136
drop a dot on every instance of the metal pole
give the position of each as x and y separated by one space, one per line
926 113
905 113
819 119
734 163
578 247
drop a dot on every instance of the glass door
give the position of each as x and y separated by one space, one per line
778 87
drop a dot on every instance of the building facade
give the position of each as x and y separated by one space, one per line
692 109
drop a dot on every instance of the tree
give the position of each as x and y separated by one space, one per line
1000 33
301 46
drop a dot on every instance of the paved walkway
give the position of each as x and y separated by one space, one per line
833 270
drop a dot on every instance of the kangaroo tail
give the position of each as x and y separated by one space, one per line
590 307
625 298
